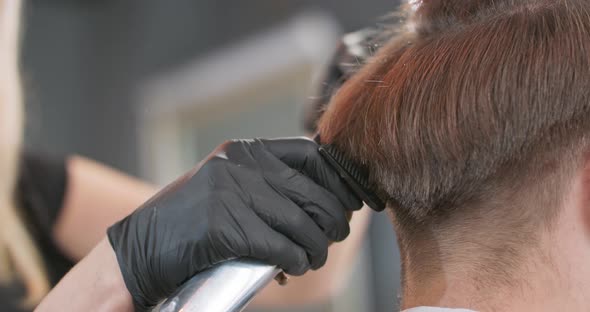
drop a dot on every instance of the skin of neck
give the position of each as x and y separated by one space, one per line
554 276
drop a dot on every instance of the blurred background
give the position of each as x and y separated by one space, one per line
150 87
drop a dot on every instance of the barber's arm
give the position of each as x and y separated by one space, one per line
94 284
249 199
97 196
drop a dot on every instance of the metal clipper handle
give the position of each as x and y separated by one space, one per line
227 287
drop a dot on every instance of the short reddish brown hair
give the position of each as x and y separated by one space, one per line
474 113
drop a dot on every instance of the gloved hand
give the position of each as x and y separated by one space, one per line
272 200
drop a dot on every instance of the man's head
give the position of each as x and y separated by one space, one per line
475 122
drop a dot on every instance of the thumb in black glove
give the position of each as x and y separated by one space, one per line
273 200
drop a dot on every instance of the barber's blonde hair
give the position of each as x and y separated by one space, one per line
19 256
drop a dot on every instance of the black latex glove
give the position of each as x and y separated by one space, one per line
272 200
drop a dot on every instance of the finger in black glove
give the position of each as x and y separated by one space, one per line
273 200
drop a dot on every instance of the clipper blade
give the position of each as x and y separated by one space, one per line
355 176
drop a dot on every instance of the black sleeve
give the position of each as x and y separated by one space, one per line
41 189
40 193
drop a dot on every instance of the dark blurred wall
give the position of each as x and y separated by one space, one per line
83 61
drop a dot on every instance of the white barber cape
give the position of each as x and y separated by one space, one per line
433 309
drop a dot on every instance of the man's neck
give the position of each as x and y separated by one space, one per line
543 287
456 294
552 274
